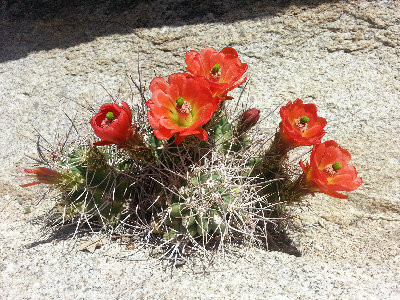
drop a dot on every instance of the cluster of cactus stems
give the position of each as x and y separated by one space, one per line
199 189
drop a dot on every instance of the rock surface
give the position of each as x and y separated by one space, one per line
343 56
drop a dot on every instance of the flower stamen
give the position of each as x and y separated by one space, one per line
108 119
215 71
332 169
185 108
301 123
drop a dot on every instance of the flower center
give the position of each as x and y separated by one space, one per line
108 119
301 123
215 71
304 120
337 166
183 106
110 116
332 169
180 101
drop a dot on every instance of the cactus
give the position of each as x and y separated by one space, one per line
196 192
192 175
92 186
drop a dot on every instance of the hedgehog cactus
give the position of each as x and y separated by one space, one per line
93 186
184 220
204 203
195 174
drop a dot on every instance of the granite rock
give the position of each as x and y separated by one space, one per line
341 55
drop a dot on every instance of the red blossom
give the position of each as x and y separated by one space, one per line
180 106
223 69
300 125
329 172
113 124
42 175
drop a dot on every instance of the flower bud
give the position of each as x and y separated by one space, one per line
42 175
250 118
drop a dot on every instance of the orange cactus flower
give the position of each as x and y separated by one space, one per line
329 172
43 175
223 69
180 107
300 125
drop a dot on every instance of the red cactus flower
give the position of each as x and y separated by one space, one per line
113 124
223 69
300 125
180 107
43 175
328 170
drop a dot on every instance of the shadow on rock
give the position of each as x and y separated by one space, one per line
59 234
280 241
34 25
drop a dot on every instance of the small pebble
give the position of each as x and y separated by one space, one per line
20 201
